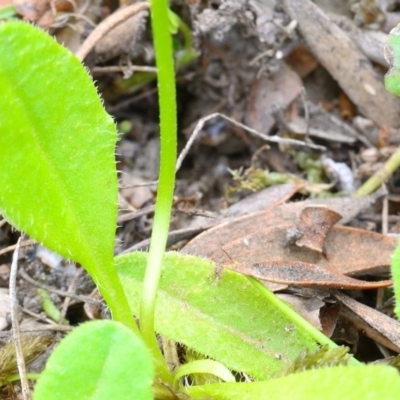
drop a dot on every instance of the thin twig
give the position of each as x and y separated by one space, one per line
197 130
26 393
136 214
105 26
273 139
50 327
117 68
38 317
83 299
25 243
136 185
5 335
125 103
173 237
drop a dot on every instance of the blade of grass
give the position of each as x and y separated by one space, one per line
168 143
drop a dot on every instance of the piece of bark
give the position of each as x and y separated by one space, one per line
345 62
370 42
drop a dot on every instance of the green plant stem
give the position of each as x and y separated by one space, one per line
380 176
111 289
297 319
168 143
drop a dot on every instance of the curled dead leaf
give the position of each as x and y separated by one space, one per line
304 274
313 225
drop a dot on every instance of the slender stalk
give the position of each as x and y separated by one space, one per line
168 144
380 176
111 289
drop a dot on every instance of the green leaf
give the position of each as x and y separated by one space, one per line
366 382
203 367
58 178
392 55
225 319
99 360
173 22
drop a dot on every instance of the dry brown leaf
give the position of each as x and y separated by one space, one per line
41 12
123 39
347 250
303 274
302 306
328 316
302 61
269 95
314 224
373 323
261 236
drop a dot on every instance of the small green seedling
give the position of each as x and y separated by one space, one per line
58 184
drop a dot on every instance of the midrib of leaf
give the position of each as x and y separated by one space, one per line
213 318
215 325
